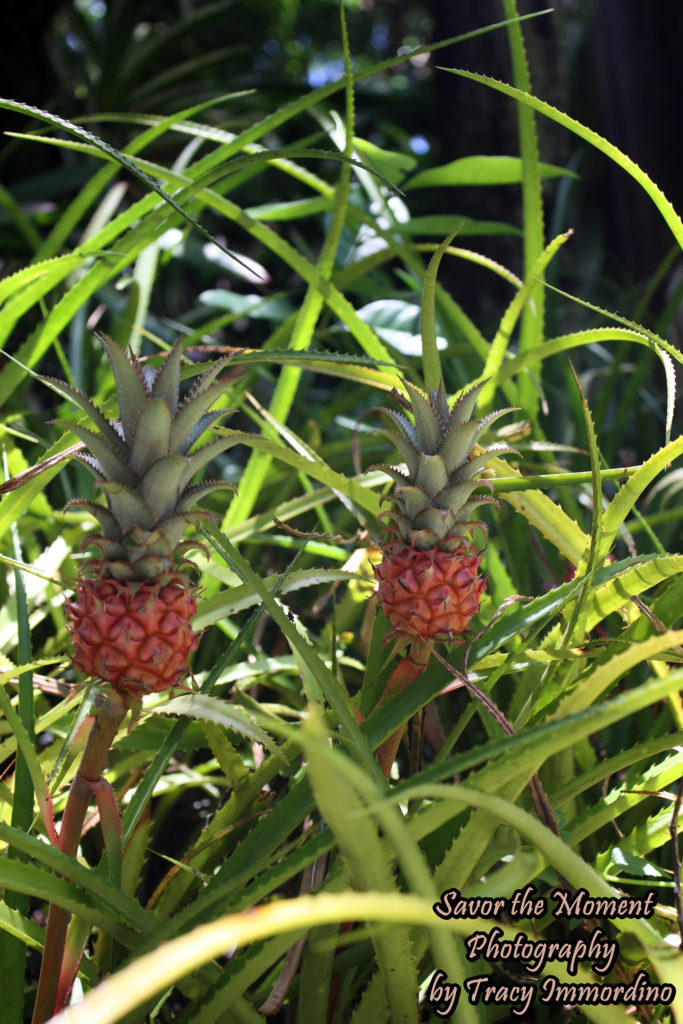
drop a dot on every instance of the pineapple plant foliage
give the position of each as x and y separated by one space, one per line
130 621
429 584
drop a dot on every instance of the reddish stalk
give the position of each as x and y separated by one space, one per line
109 714
407 671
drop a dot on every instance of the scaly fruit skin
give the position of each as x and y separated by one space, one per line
429 583
136 636
130 622
432 594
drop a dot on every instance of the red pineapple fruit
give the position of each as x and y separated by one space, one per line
131 619
430 587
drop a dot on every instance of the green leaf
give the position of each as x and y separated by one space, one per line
388 162
365 861
480 170
552 521
30 758
431 364
626 497
130 393
167 378
111 153
225 603
289 210
152 437
500 343
435 225
213 709
638 579
334 693
254 306
160 485
653 191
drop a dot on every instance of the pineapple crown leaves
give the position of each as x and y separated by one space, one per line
144 462
436 447
433 499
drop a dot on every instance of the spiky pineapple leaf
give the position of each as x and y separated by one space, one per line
439 401
426 422
624 162
404 424
26 748
130 388
463 407
457 444
206 379
626 497
95 416
151 437
160 485
203 424
173 527
191 412
397 475
432 473
636 579
412 500
114 467
204 455
99 512
127 507
110 549
214 709
365 859
479 462
455 496
437 520
406 450
194 494
167 380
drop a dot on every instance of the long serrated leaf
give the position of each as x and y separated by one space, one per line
626 497
202 456
167 379
638 579
318 470
653 191
114 468
95 416
130 392
426 423
30 760
509 319
590 560
551 520
112 153
227 602
532 329
213 709
366 865
431 364
191 413
42 883
334 694
21 278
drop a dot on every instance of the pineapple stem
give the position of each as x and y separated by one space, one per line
407 671
109 714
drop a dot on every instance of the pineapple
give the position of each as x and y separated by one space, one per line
430 587
130 621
